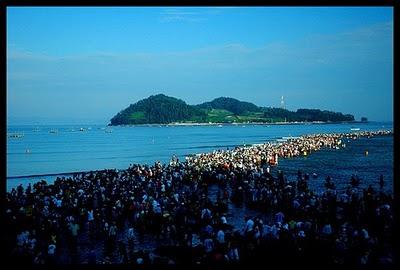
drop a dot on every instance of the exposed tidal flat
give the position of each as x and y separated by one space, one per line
76 148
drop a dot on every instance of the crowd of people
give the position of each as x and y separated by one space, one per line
67 221
252 156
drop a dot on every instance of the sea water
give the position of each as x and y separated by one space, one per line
40 152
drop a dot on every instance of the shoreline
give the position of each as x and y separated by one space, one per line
239 124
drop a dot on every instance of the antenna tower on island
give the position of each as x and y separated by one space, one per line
282 103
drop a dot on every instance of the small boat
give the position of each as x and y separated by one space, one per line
53 131
16 135
354 129
82 129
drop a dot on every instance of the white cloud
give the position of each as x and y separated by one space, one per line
178 12
181 15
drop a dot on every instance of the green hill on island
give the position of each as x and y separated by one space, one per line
161 109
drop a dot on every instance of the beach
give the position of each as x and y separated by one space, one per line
133 215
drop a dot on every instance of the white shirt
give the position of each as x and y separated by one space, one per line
90 215
279 217
51 249
21 239
204 212
249 225
274 231
32 243
223 220
176 197
266 229
131 234
221 236
59 203
365 234
209 245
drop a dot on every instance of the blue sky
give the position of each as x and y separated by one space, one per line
83 65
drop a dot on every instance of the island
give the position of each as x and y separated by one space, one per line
162 109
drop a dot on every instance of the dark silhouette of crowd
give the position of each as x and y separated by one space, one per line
67 221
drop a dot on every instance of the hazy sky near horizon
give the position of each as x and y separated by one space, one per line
83 65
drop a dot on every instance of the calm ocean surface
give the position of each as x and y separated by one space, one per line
72 150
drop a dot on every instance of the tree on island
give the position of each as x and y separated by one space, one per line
162 109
